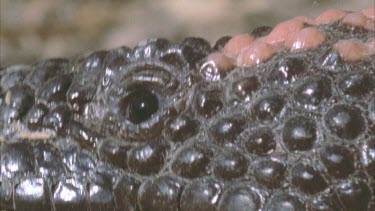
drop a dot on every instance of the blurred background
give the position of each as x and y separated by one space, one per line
37 29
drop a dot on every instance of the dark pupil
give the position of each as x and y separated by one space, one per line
143 104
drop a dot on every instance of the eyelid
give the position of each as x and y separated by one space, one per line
147 77
157 79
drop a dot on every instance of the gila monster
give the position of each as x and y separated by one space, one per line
281 118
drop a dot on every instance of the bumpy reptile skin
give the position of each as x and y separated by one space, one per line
184 126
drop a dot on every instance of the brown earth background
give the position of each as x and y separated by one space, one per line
31 30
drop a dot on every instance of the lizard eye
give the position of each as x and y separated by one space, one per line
140 105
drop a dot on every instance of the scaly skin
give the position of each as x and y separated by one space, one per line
280 118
